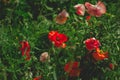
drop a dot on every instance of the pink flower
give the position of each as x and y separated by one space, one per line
80 9
96 10
92 43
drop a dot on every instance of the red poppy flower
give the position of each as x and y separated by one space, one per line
37 78
100 55
80 9
72 68
58 39
62 17
25 49
96 10
92 43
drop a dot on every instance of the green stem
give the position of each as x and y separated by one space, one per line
54 75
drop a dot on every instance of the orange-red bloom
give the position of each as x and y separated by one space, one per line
62 17
80 9
96 10
92 43
72 68
25 49
58 39
37 78
100 55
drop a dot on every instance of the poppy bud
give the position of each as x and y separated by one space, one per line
111 66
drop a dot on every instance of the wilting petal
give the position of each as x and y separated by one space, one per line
80 9
95 10
91 9
62 17
102 7
44 56
64 13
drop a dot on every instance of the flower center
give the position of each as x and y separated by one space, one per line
57 38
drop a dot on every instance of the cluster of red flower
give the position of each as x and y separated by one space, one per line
93 44
58 39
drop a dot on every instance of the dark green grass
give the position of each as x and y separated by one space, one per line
31 20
